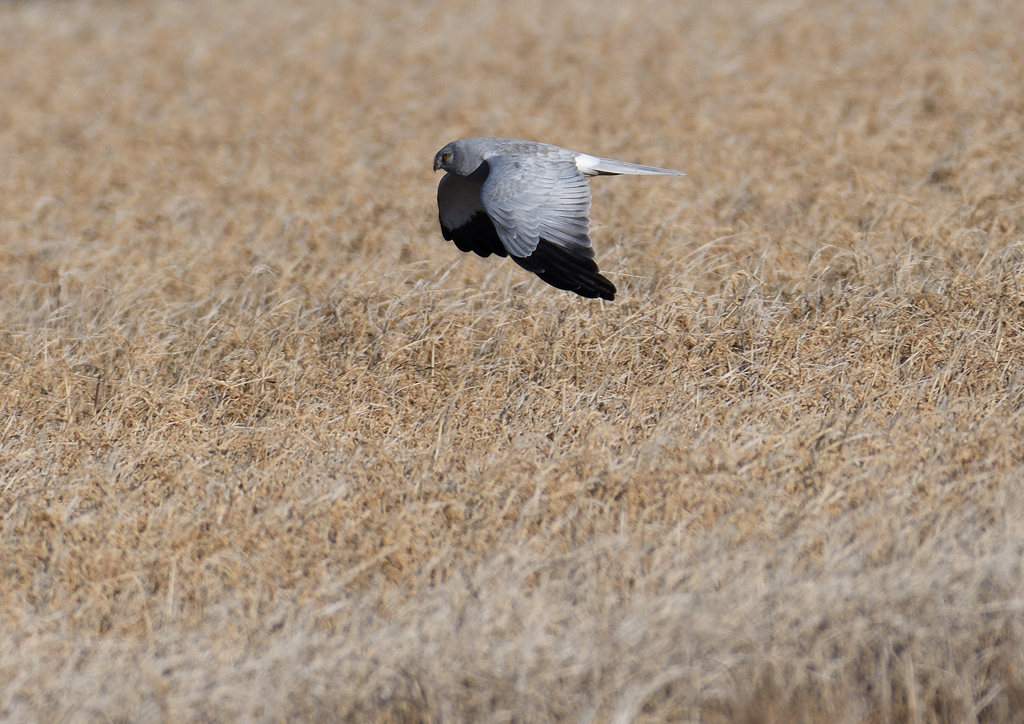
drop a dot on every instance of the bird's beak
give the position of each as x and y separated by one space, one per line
437 163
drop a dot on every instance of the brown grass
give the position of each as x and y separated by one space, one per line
271 449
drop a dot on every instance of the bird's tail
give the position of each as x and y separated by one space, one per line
594 166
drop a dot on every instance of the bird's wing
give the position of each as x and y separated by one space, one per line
540 206
463 217
530 198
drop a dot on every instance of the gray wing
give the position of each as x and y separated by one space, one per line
530 198
540 208
463 217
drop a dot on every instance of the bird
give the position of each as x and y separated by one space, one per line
530 201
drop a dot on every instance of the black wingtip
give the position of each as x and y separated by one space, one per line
562 269
476 235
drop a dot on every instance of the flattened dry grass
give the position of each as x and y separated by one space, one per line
271 449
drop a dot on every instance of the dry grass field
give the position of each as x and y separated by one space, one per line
272 450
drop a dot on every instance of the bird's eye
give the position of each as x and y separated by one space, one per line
446 156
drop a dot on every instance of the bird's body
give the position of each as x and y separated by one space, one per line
530 201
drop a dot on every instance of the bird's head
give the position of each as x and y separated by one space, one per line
462 157
446 158
465 157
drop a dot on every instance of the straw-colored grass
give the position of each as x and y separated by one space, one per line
271 449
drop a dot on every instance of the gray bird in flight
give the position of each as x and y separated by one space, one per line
530 201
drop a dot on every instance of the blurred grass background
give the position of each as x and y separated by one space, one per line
271 449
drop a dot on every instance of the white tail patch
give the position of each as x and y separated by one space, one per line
593 165
587 164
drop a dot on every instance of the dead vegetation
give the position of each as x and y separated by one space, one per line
271 449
